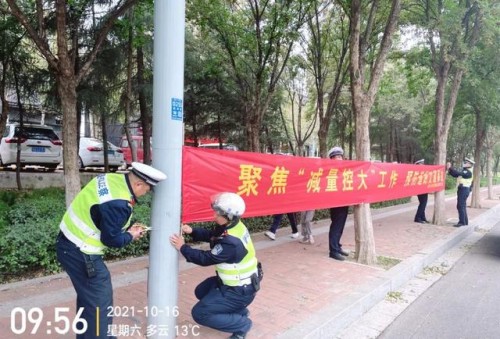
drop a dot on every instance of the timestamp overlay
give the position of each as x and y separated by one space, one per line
128 321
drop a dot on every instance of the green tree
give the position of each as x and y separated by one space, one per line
255 40
364 87
451 30
69 18
325 43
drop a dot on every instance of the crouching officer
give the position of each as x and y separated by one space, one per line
464 184
223 299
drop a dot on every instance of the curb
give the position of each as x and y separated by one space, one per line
333 319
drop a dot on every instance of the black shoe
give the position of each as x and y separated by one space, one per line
458 225
421 221
344 253
337 256
238 336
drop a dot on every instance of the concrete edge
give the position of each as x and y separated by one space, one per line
329 321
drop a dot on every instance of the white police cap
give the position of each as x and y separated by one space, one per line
420 162
150 175
469 161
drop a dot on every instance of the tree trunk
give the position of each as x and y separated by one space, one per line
363 225
480 136
3 97
105 141
444 114
66 88
489 174
253 130
145 114
362 102
322 137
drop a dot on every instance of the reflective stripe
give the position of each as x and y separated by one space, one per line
249 264
238 274
78 225
89 232
85 248
466 182
232 280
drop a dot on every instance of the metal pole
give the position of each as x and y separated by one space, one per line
168 89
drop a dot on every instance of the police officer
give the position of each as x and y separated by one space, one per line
464 184
422 202
338 216
100 217
223 299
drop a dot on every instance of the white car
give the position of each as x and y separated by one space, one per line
91 154
216 145
40 146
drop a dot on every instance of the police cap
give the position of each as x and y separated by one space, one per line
469 161
150 175
420 162
335 151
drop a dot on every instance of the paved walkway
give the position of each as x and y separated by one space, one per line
304 292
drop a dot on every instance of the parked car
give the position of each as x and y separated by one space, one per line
127 152
216 145
40 146
91 154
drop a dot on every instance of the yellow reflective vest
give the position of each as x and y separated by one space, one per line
77 224
238 274
466 182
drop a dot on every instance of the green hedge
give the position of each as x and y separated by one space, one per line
29 222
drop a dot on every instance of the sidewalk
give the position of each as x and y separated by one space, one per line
304 292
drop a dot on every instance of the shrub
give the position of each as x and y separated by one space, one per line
30 224
30 228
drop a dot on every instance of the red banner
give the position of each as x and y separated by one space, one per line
272 184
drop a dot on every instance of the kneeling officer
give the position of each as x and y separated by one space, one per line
223 299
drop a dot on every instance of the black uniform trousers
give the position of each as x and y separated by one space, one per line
422 204
222 307
92 282
462 195
338 215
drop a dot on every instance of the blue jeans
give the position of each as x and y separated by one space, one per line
222 307
92 283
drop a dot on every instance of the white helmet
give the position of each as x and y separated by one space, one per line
229 205
335 151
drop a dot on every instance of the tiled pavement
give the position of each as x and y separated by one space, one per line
304 292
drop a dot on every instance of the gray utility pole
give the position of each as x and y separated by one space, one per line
168 89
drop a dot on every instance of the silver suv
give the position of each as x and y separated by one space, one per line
40 146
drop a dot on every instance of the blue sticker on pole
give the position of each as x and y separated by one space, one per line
177 109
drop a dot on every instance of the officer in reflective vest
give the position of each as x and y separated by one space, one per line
100 217
464 184
223 299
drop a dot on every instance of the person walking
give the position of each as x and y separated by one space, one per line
464 185
223 298
271 233
100 217
338 216
422 202
306 218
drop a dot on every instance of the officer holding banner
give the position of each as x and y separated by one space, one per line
338 216
422 202
464 184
